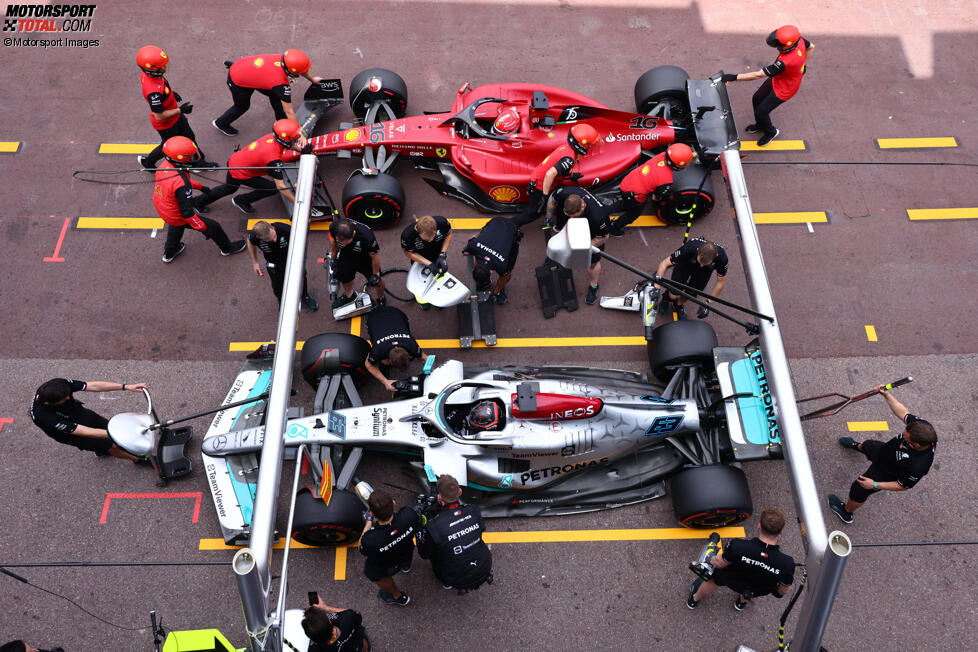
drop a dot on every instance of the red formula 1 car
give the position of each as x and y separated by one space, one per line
489 169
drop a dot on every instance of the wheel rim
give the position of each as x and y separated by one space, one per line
373 213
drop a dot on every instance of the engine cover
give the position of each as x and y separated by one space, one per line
558 407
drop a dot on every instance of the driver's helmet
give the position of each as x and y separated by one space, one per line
507 122
180 150
582 137
484 415
286 131
784 38
152 60
679 155
296 62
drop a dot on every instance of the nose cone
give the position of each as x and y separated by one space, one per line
130 432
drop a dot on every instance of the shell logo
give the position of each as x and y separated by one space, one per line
351 135
505 194
259 62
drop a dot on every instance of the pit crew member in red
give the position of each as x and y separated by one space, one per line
556 168
64 419
250 165
693 264
751 568
271 75
173 199
651 179
392 343
167 118
569 202
783 79
353 249
896 465
387 543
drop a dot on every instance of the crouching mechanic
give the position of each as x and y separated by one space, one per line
331 629
64 418
173 200
452 540
354 249
393 344
651 179
495 249
570 202
693 264
752 567
388 544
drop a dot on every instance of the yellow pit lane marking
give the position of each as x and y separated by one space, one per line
10 146
474 223
125 148
503 342
147 223
773 146
943 213
913 143
871 333
805 217
868 426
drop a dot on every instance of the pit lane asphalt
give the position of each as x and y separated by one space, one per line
112 305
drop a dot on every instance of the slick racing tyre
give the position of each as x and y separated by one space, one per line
665 85
711 496
681 342
378 85
691 192
375 200
316 524
330 353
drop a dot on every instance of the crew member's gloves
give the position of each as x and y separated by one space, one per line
374 280
186 108
441 263
307 149
575 176
728 77
702 312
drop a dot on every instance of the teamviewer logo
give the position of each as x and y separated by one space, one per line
10 24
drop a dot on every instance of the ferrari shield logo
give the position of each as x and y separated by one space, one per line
440 152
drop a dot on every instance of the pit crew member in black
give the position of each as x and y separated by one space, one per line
752 567
569 202
452 540
273 240
896 465
393 345
64 419
354 249
334 630
693 264
495 250
21 646
388 544
426 242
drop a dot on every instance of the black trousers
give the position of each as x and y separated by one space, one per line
263 187
180 128
212 231
765 101
632 209
533 208
276 274
242 102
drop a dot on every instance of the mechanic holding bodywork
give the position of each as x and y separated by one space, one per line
452 540
693 264
273 240
271 75
334 630
174 202
557 166
896 465
570 202
651 179
751 568
426 242
167 118
387 543
783 79
354 249
64 418
495 249
265 156
392 343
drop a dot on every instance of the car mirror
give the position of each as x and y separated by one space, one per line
571 247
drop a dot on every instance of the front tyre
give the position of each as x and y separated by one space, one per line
711 496
316 524
689 196
375 200
664 85
378 85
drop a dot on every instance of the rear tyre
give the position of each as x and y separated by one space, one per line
677 343
316 524
711 496
378 85
350 356
691 192
664 84
375 200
